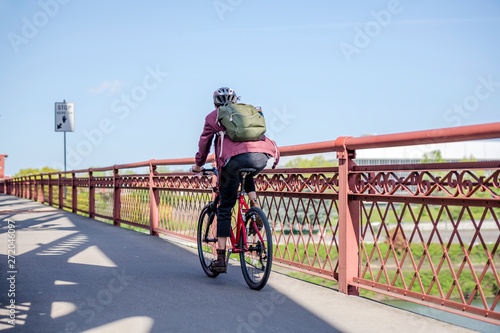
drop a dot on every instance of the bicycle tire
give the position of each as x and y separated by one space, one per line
207 246
256 263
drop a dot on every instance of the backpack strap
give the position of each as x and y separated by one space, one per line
221 135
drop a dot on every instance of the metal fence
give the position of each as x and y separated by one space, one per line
427 233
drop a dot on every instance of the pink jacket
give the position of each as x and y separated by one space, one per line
229 147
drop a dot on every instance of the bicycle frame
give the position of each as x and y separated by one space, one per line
235 238
240 225
251 242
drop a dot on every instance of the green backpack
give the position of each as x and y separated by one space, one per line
242 122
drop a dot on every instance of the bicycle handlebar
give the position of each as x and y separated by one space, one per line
205 172
211 171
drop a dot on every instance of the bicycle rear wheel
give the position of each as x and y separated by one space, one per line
207 240
256 263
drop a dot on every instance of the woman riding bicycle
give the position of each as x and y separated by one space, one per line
231 156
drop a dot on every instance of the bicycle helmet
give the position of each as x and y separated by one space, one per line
224 95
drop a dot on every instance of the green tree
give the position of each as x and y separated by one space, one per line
316 162
36 171
163 169
434 156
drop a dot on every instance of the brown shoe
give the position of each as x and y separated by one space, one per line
258 222
219 265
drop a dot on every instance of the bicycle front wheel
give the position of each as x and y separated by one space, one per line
207 240
257 261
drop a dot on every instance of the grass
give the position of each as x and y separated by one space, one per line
478 258
466 281
477 255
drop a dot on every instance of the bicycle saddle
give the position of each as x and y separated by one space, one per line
246 170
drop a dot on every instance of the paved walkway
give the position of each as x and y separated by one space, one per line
74 274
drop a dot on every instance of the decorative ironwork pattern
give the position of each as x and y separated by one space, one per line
67 197
46 192
135 206
102 182
179 211
452 183
104 203
182 182
136 181
65 181
304 232
83 199
81 182
55 195
300 181
447 254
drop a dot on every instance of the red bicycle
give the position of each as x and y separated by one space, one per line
250 238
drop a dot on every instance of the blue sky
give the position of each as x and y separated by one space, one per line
142 73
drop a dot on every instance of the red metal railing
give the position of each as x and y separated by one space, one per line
428 233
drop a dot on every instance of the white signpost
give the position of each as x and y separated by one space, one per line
64 121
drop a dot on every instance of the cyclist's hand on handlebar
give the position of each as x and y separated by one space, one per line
196 168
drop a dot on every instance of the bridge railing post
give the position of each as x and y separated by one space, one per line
91 195
61 189
34 185
154 201
50 191
116 197
37 187
349 263
30 188
42 189
74 193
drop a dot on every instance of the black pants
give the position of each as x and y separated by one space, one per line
229 183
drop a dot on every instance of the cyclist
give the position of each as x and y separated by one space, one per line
230 157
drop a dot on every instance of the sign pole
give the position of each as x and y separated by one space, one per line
65 161
64 151
64 101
